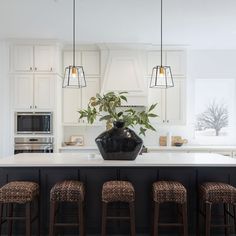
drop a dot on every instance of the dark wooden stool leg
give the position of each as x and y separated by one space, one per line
180 217
28 219
104 218
234 214
52 218
208 219
226 218
38 213
81 218
185 221
155 219
132 218
1 212
10 221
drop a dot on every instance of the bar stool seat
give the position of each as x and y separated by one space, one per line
24 193
218 192
71 191
19 192
169 191
67 191
118 191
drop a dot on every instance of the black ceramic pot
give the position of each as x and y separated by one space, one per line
119 143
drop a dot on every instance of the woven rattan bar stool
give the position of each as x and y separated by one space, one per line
169 191
118 191
67 191
217 193
19 192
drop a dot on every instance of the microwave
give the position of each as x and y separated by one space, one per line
33 123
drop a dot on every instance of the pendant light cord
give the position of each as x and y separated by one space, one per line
161 30
73 32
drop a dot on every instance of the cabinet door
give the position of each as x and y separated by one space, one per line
176 60
175 103
44 90
91 62
71 105
23 87
154 59
90 91
156 95
22 58
44 58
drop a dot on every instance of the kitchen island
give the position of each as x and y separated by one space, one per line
190 169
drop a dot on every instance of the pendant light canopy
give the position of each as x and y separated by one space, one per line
161 75
74 75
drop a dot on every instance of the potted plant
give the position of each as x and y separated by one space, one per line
118 142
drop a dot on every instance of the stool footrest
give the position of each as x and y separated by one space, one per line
66 225
170 224
118 217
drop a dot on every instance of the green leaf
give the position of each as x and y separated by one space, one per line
152 115
152 107
123 98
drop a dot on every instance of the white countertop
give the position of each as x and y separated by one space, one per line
164 148
146 160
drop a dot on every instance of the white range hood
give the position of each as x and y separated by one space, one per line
123 71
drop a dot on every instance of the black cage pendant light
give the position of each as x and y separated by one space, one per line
74 75
161 75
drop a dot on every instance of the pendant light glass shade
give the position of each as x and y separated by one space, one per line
161 75
74 75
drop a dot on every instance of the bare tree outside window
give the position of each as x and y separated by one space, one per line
214 117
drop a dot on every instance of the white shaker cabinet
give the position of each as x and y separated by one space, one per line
90 60
33 92
33 58
77 99
44 92
170 103
175 103
23 91
71 105
44 58
22 58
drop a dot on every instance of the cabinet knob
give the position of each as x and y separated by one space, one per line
35 68
31 68
30 107
51 69
35 106
163 121
167 121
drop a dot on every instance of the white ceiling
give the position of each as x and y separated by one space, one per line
198 23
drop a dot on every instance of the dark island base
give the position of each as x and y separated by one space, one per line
142 179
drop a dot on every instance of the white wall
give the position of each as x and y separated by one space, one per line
5 146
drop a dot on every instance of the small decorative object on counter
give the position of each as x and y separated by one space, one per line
118 142
175 141
76 140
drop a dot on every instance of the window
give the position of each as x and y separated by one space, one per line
215 109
